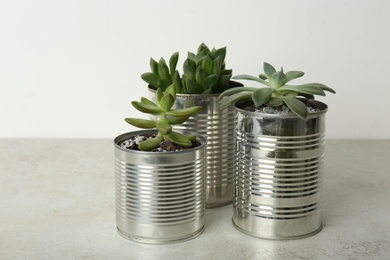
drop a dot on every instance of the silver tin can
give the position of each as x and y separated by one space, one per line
160 196
218 128
278 174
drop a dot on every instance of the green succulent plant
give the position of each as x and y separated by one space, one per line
165 118
278 92
162 76
204 72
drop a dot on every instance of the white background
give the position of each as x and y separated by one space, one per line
71 68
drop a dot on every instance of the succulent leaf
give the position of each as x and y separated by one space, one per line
163 70
176 120
150 78
141 123
179 139
252 78
275 102
305 88
185 112
167 101
173 63
231 100
147 108
269 70
210 82
149 144
279 79
294 75
147 101
154 66
163 126
261 96
296 106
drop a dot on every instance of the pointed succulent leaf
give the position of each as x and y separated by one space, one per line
307 96
167 101
185 112
171 90
305 88
200 74
210 82
141 123
203 48
178 138
261 96
163 70
252 78
217 66
279 79
231 100
294 75
269 70
207 65
154 66
177 81
191 55
163 126
177 120
147 101
150 78
193 87
233 91
189 68
173 63
223 83
221 52
296 106
149 144
324 87
147 108
159 95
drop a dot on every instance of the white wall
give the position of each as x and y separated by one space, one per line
71 68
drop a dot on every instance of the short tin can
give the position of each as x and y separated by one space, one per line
160 196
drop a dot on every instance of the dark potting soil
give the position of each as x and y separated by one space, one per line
282 110
165 146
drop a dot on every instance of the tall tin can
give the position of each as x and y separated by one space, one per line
278 174
160 196
217 126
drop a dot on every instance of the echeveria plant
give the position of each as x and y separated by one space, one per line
204 72
277 93
165 118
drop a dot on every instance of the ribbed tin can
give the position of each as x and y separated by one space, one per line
160 196
218 128
278 174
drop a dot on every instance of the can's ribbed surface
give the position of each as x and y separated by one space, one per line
278 175
217 126
160 196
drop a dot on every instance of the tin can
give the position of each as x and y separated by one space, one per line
217 126
278 173
160 196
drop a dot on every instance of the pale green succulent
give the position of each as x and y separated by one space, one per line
204 72
162 76
278 92
165 118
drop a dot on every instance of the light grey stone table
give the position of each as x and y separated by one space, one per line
57 202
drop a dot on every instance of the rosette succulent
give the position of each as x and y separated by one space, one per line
277 92
204 72
165 117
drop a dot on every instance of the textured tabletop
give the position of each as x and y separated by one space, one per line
57 202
